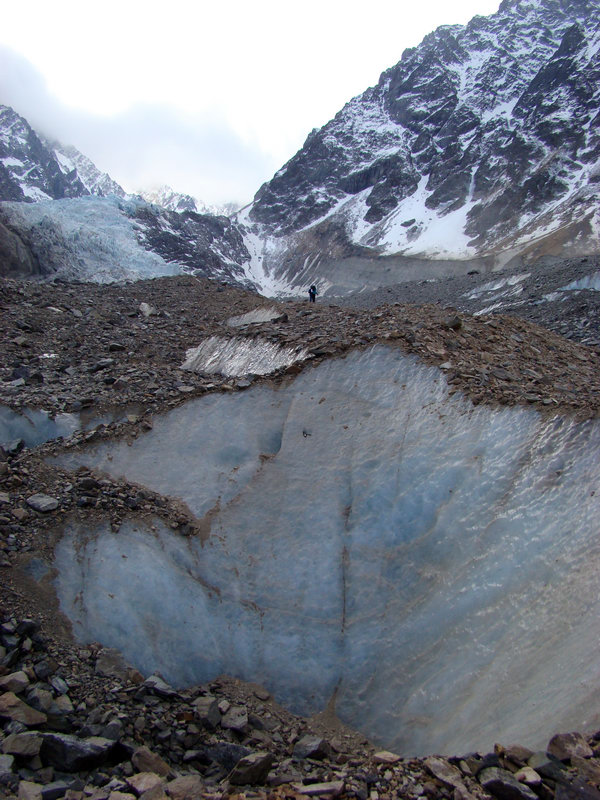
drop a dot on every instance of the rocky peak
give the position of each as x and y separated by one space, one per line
94 180
29 170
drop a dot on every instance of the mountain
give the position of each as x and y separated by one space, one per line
168 198
111 238
96 182
29 168
478 151
64 218
479 148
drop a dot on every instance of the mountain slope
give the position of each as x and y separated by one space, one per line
478 143
111 238
94 180
29 170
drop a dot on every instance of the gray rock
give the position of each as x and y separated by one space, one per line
59 685
160 687
28 790
56 789
12 708
42 503
70 754
565 745
110 663
547 766
207 711
503 785
310 746
251 769
6 764
25 745
444 772
227 754
236 719
15 682
144 760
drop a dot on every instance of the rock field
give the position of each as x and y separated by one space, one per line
79 723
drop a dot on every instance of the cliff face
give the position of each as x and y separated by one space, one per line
480 141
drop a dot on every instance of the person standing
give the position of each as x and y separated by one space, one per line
312 293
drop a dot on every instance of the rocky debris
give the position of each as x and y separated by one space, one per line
109 355
566 745
161 749
78 722
536 294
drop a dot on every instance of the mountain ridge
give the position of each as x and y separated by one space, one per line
461 151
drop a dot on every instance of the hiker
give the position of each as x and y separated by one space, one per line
312 293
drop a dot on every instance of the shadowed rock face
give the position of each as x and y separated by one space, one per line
363 534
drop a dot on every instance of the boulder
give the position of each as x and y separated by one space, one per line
503 785
26 745
69 753
236 719
144 760
141 782
186 787
565 745
310 746
207 711
42 503
252 769
11 707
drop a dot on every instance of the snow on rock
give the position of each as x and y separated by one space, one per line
480 142
365 536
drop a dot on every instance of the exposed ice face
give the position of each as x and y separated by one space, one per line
240 356
35 426
433 562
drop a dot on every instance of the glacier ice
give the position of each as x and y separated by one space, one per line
98 236
233 357
35 426
366 535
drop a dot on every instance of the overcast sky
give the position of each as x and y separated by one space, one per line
208 97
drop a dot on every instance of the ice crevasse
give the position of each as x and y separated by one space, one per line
367 536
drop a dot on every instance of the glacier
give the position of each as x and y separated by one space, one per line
91 236
366 538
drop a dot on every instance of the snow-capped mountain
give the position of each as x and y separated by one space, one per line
168 198
112 238
95 181
482 144
29 169
77 222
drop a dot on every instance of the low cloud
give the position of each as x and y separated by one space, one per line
146 145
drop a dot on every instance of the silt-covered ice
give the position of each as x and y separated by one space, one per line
432 564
